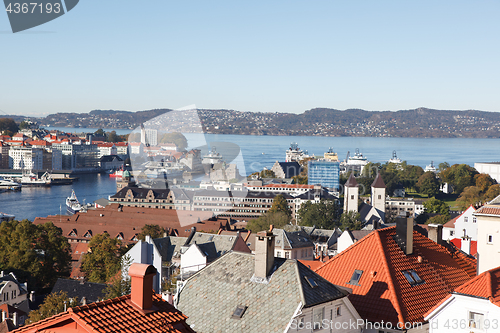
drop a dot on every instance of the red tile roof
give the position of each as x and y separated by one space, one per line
489 210
114 315
486 285
312 264
383 292
451 223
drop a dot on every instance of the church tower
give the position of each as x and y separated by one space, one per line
351 195
378 193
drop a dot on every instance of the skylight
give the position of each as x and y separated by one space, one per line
311 281
355 277
412 277
239 311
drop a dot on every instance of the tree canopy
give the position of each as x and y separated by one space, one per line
280 205
350 220
435 206
175 137
277 219
460 176
153 230
428 184
102 261
8 124
324 214
53 304
38 253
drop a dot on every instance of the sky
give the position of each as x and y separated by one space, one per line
262 56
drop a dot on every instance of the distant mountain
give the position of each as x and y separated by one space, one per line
421 122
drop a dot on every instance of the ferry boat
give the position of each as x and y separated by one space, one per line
395 158
430 167
212 158
295 154
73 206
356 162
331 155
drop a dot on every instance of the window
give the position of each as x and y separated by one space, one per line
379 196
318 316
466 219
474 220
355 277
352 197
338 311
412 277
476 320
300 323
278 253
452 232
287 255
490 239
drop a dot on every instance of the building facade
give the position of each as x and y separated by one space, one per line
325 173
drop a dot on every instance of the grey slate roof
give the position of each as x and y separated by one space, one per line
213 246
312 194
91 291
110 158
320 235
291 239
226 283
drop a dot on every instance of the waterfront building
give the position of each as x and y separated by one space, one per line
122 149
4 156
490 168
286 170
21 158
78 157
111 162
136 148
324 173
106 148
149 137
291 189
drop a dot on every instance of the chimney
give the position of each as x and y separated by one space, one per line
84 300
190 237
264 253
247 236
141 276
14 319
32 296
404 234
465 246
4 315
435 233
1 274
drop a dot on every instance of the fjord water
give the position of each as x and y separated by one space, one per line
262 151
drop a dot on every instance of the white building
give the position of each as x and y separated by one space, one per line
149 137
464 225
25 158
107 148
472 307
490 168
488 235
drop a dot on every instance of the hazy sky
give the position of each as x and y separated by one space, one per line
271 56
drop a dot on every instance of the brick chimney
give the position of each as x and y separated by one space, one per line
435 233
142 285
404 234
264 253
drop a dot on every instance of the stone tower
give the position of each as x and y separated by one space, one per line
351 195
378 193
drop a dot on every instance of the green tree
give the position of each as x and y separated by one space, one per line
8 125
120 284
267 174
280 205
442 166
435 206
428 184
277 219
24 125
299 179
324 214
350 220
53 304
39 253
438 219
175 137
100 132
112 137
460 176
492 192
153 230
469 196
102 261
483 182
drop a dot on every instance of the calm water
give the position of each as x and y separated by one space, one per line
258 152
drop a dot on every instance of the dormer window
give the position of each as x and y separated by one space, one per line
412 277
355 277
239 311
311 281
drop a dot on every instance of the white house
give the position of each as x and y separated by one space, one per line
12 292
472 307
349 237
464 225
488 235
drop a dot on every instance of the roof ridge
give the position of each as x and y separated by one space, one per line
392 288
297 272
489 285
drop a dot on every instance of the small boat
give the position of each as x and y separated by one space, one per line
116 174
73 206
7 184
6 217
